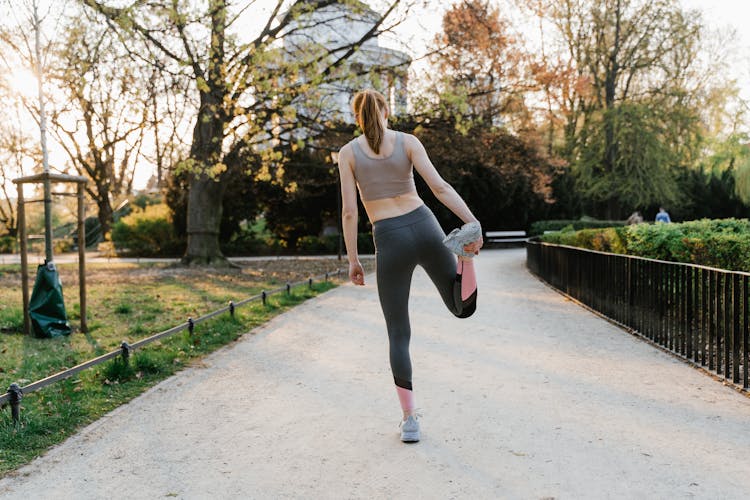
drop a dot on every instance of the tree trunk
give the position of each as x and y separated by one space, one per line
205 201
8 220
613 209
206 193
610 93
105 211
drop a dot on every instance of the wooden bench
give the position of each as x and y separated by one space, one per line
505 237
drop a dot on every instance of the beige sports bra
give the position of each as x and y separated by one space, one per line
379 178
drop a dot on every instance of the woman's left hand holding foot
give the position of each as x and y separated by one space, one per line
473 248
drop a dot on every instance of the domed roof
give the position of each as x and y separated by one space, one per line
354 6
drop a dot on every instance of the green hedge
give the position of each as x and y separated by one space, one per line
541 226
610 239
723 243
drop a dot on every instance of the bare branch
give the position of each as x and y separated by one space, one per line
112 14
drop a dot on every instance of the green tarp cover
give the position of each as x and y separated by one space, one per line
46 307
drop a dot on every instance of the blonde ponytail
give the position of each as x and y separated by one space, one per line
368 108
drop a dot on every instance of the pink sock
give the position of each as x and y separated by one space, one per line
468 278
406 397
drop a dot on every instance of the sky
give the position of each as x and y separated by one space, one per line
735 14
723 12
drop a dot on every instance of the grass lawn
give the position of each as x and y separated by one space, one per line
127 302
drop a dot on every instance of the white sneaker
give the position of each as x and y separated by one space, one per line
458 238
409 429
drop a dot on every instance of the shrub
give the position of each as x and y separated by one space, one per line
603 240
611 239
142 200
722 250
248 242
7 244
541 226
656 241
318 245
723 243
63 245
147 233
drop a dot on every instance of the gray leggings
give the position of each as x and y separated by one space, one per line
401 244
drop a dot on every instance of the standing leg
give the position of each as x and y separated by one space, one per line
393 291
395 266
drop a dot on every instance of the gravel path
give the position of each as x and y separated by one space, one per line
533 397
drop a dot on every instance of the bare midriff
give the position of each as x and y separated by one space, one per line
386 208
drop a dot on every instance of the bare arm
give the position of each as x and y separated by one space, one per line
349 214
443 191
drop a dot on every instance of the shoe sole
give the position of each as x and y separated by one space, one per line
455 241
410 437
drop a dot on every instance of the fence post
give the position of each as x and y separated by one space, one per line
745 332
231 308
125 348
736 329
263 296
191 326
16 395
288 289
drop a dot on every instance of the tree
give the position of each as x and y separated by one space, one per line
17 150
166 117
640 173
505 181
243 88
307 199
632 65
241 200
479 67
716 194
26 38
102 120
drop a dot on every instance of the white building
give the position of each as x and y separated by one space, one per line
331 32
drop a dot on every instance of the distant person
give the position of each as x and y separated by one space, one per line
380 164
635 218
662 216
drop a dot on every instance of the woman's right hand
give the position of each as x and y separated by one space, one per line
356 273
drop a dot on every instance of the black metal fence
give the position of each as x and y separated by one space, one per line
16 392
696 312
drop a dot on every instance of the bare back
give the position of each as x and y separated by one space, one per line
377 199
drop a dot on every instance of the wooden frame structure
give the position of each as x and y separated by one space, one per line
42 178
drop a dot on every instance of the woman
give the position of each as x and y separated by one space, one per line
379 163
